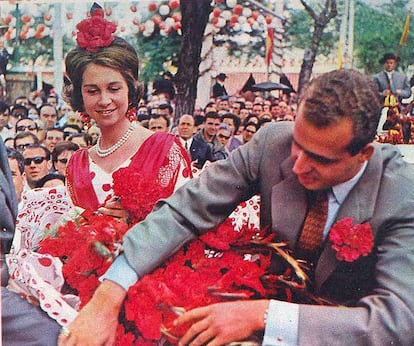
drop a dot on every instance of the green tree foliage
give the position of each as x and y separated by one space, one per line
300 28
378 30
154 51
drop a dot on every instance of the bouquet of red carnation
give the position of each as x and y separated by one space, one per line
86 247
138 198
221 265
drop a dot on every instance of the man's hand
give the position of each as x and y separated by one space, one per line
97 322
222 323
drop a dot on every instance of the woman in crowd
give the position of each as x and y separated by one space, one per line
102 84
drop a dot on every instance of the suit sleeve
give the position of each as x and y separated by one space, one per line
198 206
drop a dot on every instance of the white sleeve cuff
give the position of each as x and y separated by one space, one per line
121 273
282 324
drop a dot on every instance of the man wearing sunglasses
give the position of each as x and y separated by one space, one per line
36 163
26 124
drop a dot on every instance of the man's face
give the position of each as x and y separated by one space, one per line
390 65
23 143
230 123
320 155
223 136
62 161
248 133
186 127
53 137
236 108
211 126
18 178
36 165
158 125
4 119
275 111
26 125
48 114
257 110
223 105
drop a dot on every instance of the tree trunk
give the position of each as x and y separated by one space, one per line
195 15
320 22
309 58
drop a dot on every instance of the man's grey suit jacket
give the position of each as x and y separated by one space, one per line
379 288
399 81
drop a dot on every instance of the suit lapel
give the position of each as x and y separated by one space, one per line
359 205
288 206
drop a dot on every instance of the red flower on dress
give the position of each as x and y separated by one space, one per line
351 241
95 32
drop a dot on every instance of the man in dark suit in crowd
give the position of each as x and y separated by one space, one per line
218 88
199 151
390 81
22 322
329 150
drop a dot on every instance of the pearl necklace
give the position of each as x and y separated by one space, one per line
106 152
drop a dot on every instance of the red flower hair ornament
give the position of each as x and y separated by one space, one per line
351 241
95 32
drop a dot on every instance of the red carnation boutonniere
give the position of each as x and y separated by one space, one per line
351 241
95 32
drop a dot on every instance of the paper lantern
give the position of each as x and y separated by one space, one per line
152 7
108 11
247 12
174 4
164 10
26 18
216 12
8 19
133 8
69 15
169 22
226 14
238 9
231 3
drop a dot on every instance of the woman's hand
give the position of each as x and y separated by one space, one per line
114 208
97 322
222 323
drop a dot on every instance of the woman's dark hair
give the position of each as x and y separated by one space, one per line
48 177
120 55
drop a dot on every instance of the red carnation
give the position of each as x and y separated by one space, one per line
95 32
351 241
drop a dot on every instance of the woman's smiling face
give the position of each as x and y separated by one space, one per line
105 94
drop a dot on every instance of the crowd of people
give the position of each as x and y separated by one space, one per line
106 150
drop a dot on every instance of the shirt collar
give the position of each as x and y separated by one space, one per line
342 190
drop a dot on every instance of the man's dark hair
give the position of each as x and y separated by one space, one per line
61 147
24 135
213 115
37 145
199 119
163 106
236 120
48 177
157 116
21 110
16 155
4 106
341 94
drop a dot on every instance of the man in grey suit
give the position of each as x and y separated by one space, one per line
21 322
328 147
391 82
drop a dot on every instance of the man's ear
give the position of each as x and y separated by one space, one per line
366 152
